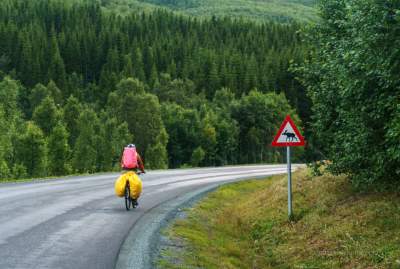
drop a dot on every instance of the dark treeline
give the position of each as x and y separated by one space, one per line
79 83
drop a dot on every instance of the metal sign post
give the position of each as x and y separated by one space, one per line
289 172
288 136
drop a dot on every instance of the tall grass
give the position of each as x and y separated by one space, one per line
245 225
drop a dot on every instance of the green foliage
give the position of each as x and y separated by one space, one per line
19 171
84 158
179 91
183 127
114 136
36 96
5 146
197 157
55 93
9 92
130 85
46 115
156 155
260 116
148 124
72 110
4 170
212 54
5 140
141 111
353 81
11 121
31 152
59 151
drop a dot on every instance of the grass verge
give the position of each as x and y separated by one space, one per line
244 225
48 178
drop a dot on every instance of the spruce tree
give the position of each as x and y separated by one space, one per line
56 66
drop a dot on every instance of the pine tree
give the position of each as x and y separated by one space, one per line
55 93
138 65
213 81
128 67
172 69
153 80
36 96
56 67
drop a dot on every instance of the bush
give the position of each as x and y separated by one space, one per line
353 81
197 157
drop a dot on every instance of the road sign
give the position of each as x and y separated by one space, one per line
288 135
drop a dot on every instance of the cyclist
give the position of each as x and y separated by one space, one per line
131 161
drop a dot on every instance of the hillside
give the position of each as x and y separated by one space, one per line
205 93
261 10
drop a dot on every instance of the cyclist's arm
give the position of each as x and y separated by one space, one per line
140 163
121 163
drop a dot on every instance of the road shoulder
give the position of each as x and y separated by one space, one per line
140 247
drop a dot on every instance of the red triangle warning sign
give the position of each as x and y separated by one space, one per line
288 135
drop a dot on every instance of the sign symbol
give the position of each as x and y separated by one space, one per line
290 136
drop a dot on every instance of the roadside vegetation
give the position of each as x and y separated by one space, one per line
245 225
353 79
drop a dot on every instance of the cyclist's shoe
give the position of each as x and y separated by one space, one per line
135 203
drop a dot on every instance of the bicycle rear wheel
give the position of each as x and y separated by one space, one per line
128 201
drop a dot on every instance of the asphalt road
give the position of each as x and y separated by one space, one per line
78 222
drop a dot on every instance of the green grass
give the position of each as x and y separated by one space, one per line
259 10
48 178
244 225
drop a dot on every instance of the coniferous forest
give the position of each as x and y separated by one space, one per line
78 83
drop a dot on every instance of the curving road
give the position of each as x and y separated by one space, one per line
78 222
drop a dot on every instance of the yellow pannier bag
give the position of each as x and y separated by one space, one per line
134 182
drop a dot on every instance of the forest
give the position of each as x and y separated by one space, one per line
78 83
